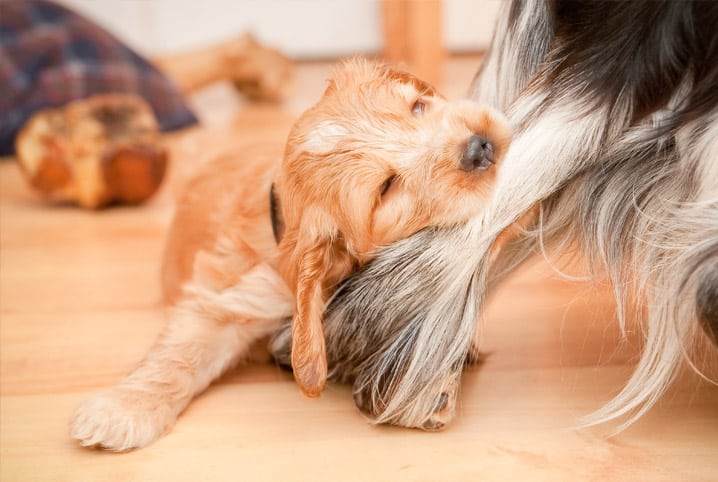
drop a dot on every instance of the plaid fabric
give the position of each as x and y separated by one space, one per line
49 56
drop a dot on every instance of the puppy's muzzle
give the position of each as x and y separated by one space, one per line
478 155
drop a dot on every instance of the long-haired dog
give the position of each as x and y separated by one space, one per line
614 107
380 157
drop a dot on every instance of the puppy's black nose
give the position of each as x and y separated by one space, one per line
479 154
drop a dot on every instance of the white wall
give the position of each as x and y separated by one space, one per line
301 28
469 24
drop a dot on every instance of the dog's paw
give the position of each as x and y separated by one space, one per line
119 420
443 412
433 415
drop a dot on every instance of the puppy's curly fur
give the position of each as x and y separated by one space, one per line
380 157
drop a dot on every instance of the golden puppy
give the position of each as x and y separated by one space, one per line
381 156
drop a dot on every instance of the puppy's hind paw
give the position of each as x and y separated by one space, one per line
119 421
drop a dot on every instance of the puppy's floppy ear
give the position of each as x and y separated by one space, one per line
309 258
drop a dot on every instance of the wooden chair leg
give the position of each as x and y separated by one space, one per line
413 34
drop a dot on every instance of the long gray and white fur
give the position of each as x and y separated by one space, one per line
616 147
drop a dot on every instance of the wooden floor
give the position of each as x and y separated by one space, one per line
80 305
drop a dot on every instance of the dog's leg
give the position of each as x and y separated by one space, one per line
707 301
209 330
707 286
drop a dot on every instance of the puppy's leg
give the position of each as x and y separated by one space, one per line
209 330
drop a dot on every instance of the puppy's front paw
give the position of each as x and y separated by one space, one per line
120 420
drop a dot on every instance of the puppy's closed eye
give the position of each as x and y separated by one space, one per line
418 107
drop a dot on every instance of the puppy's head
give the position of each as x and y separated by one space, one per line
381 156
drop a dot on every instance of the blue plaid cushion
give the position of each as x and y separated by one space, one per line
50 55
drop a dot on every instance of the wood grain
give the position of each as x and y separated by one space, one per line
80 305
